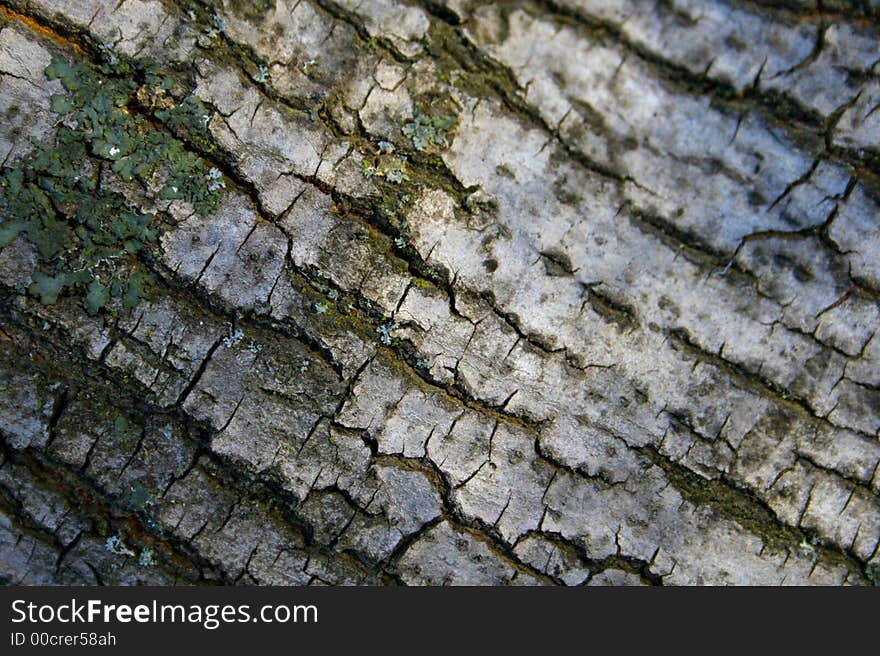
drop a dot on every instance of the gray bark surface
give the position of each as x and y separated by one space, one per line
535 292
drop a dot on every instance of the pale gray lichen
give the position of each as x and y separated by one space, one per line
147 558
233 336
368 170
115 545
310 68
385 331
214 179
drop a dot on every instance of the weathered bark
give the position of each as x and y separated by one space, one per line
530 292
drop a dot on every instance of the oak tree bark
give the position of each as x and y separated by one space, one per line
535 292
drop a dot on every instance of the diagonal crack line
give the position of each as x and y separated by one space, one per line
233 475
786 111
729 499
766 387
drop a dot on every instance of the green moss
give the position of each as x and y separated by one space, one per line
252 10
87 235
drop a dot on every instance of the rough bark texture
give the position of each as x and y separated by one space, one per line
533 292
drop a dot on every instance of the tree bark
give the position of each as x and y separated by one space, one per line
449 292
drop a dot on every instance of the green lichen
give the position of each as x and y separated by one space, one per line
61 196
188 118
425 131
